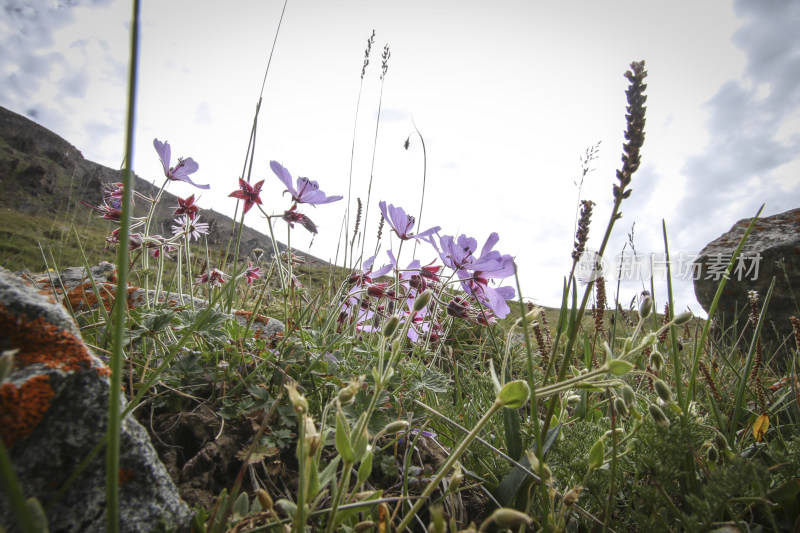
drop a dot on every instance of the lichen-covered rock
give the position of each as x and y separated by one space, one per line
53 411
772 251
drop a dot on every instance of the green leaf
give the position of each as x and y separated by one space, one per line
517 481
242 506
513 437
365 469
329 473
342 439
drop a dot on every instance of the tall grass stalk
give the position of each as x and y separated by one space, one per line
384 69
250 155
635 137
700 343
120 307
351 265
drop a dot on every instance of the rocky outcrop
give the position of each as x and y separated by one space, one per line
772 251
53 411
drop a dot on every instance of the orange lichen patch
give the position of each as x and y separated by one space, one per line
126 476
247 314
40 341
22 408
83 297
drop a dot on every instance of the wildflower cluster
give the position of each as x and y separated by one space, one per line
187 227
466 293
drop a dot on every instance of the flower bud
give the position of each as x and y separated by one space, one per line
620 407
597 455
628 395
721 441
662 389
422 301
658 416
573 399
571 497
646 307
618 367
311 435
656 360
682 318
299 401
712 454
649 339
456 478
510 518
264 499
395 427
390 327
348 393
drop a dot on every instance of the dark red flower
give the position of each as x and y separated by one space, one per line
293 215
186 207
249 194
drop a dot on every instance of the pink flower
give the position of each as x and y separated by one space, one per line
252 273
179 172
250 194
108 212
215 278
135 240
307 191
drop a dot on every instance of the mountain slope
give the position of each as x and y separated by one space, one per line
43 178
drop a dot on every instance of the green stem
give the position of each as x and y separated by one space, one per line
14 492
302 457
115 389
344 482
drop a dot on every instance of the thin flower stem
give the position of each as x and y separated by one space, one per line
189 271
145 257
424 181
303 458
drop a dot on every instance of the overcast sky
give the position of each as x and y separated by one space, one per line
507 94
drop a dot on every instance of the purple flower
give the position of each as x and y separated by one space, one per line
250 194
307 191
179 172
367 274
475 272
402 224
